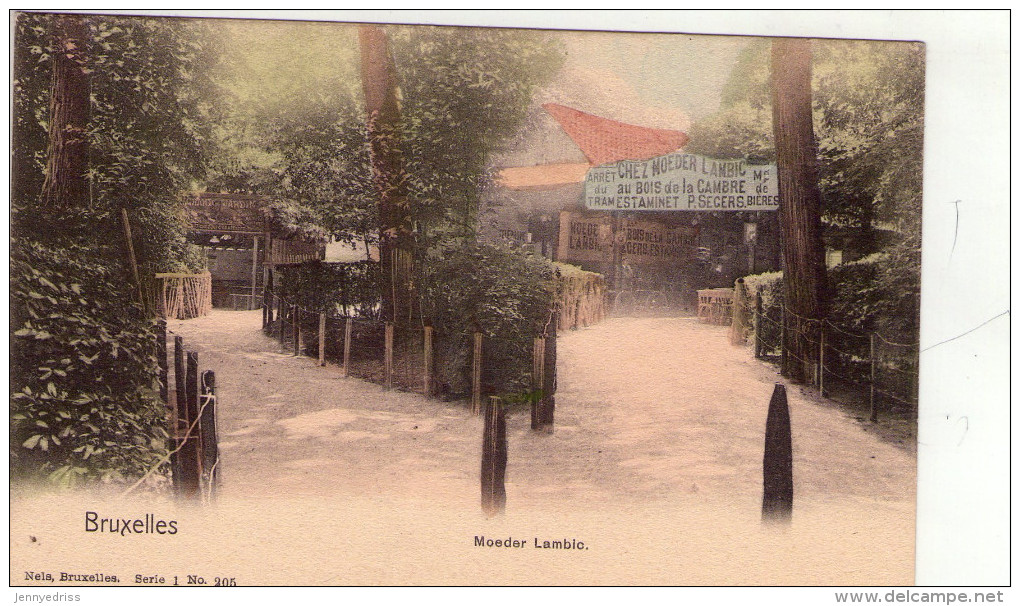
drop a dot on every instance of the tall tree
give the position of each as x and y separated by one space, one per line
66 185
804 275
379 80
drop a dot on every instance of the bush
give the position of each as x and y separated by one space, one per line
333 288
877 294
504 293
84 376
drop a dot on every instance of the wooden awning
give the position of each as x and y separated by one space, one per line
542 177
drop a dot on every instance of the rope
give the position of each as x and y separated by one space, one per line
845 332
897 398
888 342
909 373
787 310
845 353
167 456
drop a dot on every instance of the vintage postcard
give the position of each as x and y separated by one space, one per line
323 303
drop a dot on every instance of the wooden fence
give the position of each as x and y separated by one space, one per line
191 405
848 363
715 305
399 356
582 297
181 296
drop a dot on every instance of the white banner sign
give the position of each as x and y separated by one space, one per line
680 181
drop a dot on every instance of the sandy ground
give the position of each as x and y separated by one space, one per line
655 463
647 408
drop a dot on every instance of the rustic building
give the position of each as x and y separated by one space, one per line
666 252
245 238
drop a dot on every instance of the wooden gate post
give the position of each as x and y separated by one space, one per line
494 455
821 361
548 410
347 347
777 466
180 416
427 353
874 409
281 308
537 382
476 375
164 369
322 339
254 271
388 355
757 325
296 328
191 454
209 440
784 362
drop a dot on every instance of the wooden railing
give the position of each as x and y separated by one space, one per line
181 296
715 305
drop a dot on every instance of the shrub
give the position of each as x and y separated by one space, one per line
333 288
504 293
84 382
877 294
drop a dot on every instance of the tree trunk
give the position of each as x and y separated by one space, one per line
804 276
379 81
66 183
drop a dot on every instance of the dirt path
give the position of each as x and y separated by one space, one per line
647 408
655 417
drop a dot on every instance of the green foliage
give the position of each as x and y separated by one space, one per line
465 93
348 289
868 110
326 167
296 125
869 100
503 293
880 293
84 385
84 394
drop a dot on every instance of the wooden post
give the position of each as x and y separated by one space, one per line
161 293
537 382
296 328
280 317
210 447
347 347
783 358
322 339
191 455
254 271
388 355
757 325
180 415
161 353
131 253
265 312
476 375
821 361
267 298
777 465
548 409
874 409
494 455
427 353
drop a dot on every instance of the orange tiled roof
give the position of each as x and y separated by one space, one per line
604 141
